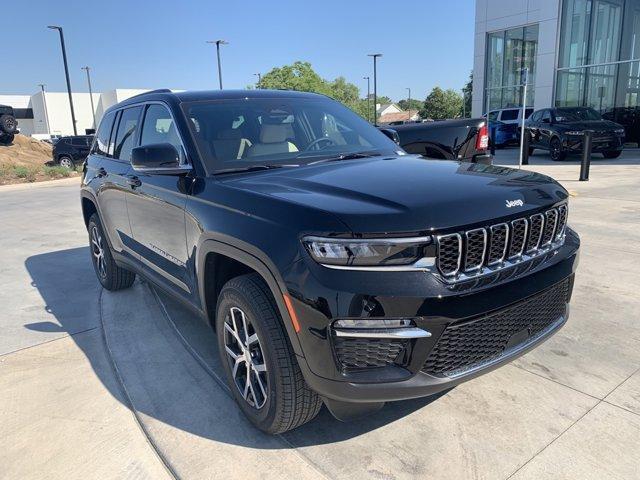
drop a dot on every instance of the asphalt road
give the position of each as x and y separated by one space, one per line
95 384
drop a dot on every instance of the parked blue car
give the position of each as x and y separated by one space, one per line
503 134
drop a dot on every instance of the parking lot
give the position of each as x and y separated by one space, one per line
95 384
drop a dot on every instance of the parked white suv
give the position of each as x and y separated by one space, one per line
509 115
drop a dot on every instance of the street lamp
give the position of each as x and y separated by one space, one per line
93 111
368 97
375 86
44 104
66 72
218 43
259 79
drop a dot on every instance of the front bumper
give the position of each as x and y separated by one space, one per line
600 143
433 305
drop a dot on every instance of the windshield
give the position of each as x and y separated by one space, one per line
576 114
259 132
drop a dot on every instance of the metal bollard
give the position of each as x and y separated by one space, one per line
587 143
525 149
492 142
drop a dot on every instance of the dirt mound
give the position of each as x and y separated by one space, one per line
25 151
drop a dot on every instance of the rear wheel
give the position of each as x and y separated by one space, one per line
110 275
556 150
66 162
8 124
612 154
6 138
260 366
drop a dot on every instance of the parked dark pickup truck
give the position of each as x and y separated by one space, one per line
465 139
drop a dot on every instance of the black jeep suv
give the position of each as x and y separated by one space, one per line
333 266
70 152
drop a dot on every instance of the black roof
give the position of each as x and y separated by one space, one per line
200 95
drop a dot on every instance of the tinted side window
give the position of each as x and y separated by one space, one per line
528 112
509 114
159 127
546 115
127 133
101 143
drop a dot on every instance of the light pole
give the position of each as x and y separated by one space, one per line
93 111
525 79
259 79
44 104
368 97
218 43
375 86
66 72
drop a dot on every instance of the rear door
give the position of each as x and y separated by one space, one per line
80 148
107 176
156 205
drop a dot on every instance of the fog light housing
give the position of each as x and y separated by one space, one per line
389 328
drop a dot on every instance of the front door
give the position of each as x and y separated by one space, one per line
156 206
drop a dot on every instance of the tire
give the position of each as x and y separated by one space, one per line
8 124
66 162
556 151
111 276
612 154
6 138
277 398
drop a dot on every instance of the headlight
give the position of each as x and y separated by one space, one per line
574 132
620 132
366 252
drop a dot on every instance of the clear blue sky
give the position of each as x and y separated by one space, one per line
136 44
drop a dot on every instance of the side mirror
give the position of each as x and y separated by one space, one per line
392 134
159 158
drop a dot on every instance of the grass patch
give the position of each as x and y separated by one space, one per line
25 173
56 171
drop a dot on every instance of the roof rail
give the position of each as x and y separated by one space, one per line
159 90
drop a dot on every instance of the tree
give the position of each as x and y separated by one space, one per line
442 104
301 77
413 105
467 92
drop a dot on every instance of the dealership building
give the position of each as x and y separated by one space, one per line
576 52
49 113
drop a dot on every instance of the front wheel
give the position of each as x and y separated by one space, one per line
259 363
66 162
556 150
110 275
612 154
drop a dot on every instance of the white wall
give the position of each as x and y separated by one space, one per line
492 15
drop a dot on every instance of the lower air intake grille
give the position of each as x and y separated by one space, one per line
357 353
471 343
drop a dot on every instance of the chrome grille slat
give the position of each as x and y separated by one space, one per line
536 224
449 253
519 229
481 251
498 243
549 230
476 246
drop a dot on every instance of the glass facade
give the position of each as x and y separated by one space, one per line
599 60
508 53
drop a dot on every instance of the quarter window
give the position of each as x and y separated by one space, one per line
509 114
101 144
127 132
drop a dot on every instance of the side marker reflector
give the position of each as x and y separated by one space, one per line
292 312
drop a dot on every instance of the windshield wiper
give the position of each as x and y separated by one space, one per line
252 168
346 156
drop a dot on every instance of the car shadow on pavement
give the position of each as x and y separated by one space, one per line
186 374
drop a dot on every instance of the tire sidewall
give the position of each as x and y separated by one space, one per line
7 119
94 221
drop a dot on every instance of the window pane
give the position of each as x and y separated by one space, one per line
511 114
513 57
101 145
530 51
495 54
159 127
576 18
570 88
127 130
495 98
605 37
601 87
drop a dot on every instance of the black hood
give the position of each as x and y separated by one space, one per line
407 193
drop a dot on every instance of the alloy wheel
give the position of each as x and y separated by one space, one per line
246 358
556 149
97 250
66 163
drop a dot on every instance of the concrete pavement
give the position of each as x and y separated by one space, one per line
569 409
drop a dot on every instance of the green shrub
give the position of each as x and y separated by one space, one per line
56 172
26 173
